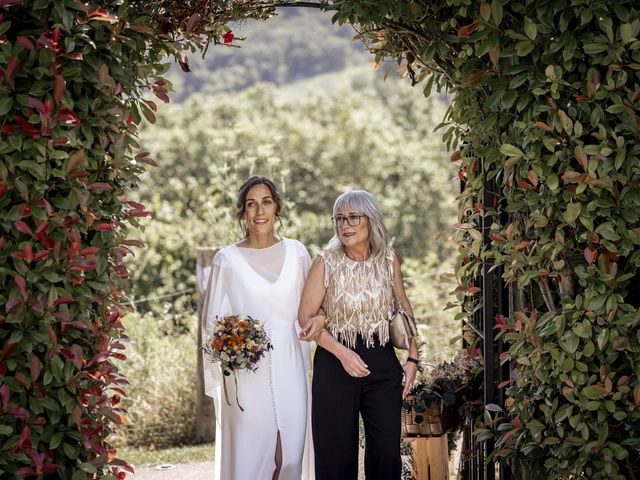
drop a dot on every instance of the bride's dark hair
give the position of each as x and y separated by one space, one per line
244 191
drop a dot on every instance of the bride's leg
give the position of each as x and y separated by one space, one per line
278 459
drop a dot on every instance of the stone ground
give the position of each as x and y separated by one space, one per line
204 470
187 471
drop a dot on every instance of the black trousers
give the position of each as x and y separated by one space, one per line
338 399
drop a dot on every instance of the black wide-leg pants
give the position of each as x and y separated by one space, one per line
338 399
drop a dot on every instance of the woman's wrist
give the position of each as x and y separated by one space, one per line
414 360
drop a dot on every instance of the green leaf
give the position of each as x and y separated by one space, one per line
87 467
570 343
511 151
572 212
617 108
595 48
496 11
56 440
626 33
592 393
5 104
530 28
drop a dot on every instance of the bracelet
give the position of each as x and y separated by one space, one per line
413 360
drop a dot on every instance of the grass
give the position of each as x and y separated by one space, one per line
142 456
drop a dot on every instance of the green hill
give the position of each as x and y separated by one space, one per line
298 43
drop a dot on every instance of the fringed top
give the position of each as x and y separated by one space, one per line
359 298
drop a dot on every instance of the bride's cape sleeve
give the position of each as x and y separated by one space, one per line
216 305
304 266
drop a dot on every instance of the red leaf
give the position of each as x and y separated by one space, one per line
136 205
103 227
113 416
521 245
73 56
24 42
467 30
98 358
100 186
64 300
570 176
37 104
3 188
89 251
53 336
24 472
26 127
590 255
161 94
25 437
102 16
23 227
41 230
193 21
11 303
133 243
543 126
4 394
67 117
140 28
524 184
21 285
504 384
58 88
40 255
12 66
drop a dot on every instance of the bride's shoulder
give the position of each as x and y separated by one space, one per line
297 244
222 256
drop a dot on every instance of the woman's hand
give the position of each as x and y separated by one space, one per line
352 363
315 325
410 370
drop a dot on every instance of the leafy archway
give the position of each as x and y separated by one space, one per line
546 99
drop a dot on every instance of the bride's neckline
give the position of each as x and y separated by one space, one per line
237 245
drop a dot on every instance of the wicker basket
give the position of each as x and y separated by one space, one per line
427 423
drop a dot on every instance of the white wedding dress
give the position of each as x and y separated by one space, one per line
265 284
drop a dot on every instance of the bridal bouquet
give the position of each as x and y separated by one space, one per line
236 343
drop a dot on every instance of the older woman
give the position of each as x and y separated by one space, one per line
356 283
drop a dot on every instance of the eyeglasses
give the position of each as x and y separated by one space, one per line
352 220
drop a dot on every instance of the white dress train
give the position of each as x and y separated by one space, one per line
265 284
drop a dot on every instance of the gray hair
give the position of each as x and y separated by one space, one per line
365 202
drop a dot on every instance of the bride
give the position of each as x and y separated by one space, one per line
261 276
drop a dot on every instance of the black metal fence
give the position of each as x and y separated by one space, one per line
495 300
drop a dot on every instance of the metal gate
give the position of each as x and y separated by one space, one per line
495 300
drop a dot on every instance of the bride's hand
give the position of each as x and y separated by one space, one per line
314 328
